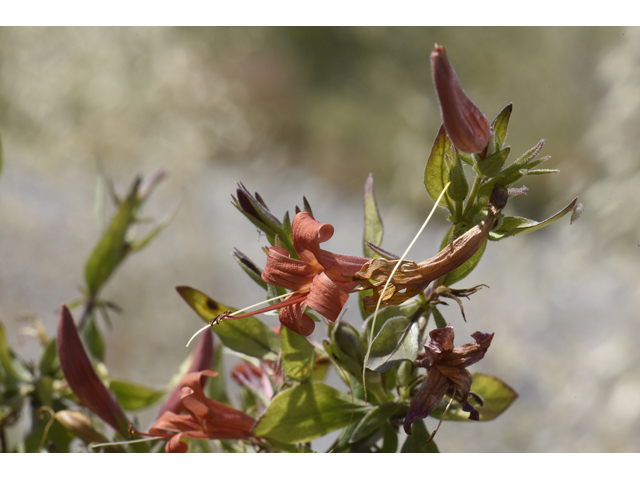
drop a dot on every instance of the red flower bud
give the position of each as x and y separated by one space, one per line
465 124
82 378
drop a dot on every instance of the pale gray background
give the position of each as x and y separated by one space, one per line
293 112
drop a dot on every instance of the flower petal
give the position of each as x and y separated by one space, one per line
294 318
428 397
326 298
307 235
287 272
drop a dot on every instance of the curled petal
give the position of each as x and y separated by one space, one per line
307 235
294 318
466 125
326 298
287 272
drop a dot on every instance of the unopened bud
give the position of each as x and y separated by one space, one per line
82 378
465 124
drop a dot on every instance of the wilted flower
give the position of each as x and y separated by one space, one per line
320 280
411 278
82 378
466 125
447 373
207 418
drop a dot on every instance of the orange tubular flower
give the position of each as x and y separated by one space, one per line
447 373
207 418
319 280
465 124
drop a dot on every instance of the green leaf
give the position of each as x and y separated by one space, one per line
373 420
134 397
49 364
373 227
1 155
496 394
308 411
347 348
467 267
398 340
93 338
516 225
160 226
112 247
417 441
245 335
389 439
437 316
298 355
407 309
436 174
459 186
491 166
501 123
250 268
216 386
6 361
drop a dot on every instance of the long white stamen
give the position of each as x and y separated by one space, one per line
237 312
375 313
126 442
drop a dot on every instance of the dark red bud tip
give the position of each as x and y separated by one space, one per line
82 378
465 124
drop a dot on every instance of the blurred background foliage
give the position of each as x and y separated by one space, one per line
311 111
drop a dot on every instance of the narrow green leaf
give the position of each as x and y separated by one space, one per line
308 411
134 397
491 166
437 316
162 224
467 267
459 187
373 420
245 335
496 394
49 364
112 247
93 338
417 441
298 355
216 386
540 171
389 439
501 123
436 174
250 268
373 228
398 340
5 357
516 225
